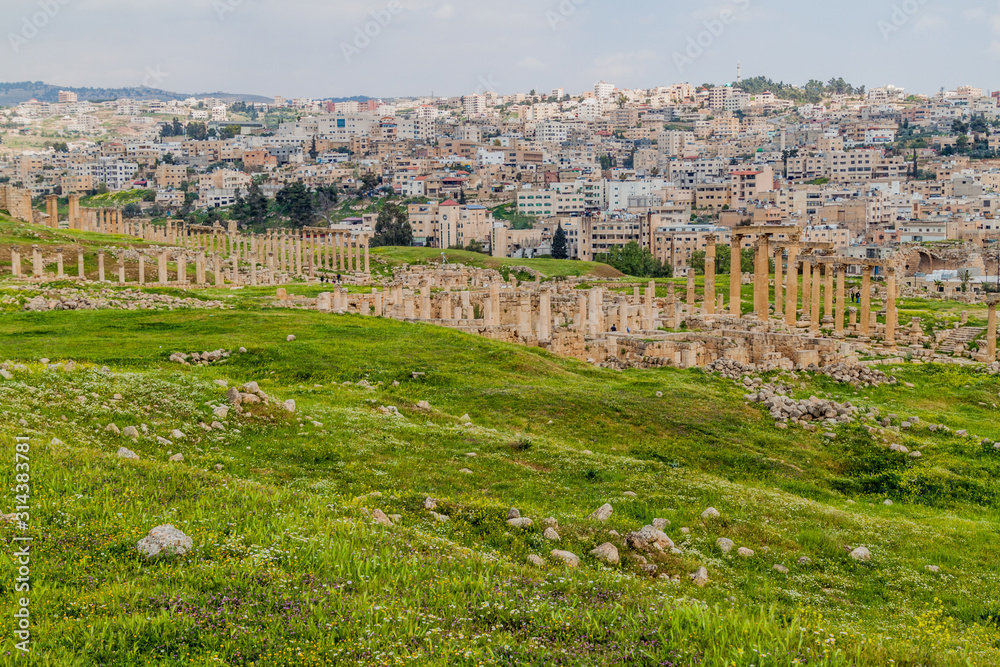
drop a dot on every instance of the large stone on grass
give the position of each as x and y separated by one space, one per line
700 577
381 518
289 406
602 513
710 513
523 522
164 541
551 534
124 453
568 558
725 544
130 432
606 553
862 554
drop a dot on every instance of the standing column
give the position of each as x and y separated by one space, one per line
298 254
37 267
425 301
121 271
815 300
81 274
545 316
779 301
709 308
161 262
866 301
991 334
494 304
368 267
828 291
647 307
52 209
761 275
59 264
253 270
838 325
217 264
891 315
100 266
524 316
792 286
199 268
690 292
806 290
182 270
75 222
142 269
357 254
595 307
736 276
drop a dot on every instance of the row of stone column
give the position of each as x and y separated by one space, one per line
298 253
232 274
814 273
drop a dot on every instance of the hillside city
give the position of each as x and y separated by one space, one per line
865 170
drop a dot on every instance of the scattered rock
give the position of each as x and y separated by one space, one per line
218 467
780 568
130 432
606 553
551 534
725 544
177 458
164 540
602 513
430 504
423 405
440 517
536 561
513 513
112 428
520 523
290 338
804 560
933 568
289 406
381 518
745 553
700 577
710 513
660 524
124 453
569 559
861 553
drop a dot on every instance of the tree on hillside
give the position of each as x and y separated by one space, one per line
366 188
392 228
560 249
632 260
197 131
327 196
252 209
313 151
296 202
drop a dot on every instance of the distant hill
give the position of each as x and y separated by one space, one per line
22 91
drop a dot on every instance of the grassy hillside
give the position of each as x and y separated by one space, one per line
289 568
551 268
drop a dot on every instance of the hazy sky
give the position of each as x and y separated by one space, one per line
317 48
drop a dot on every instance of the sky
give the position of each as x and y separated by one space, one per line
396 48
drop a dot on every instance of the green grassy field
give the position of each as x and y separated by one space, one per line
551 268
288 569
